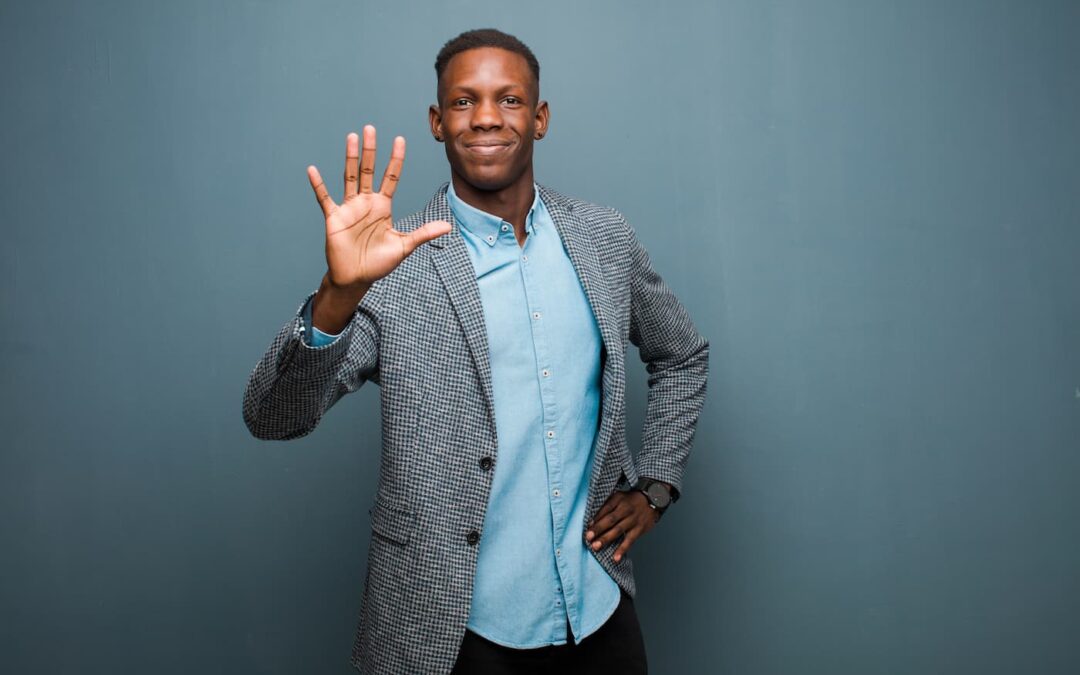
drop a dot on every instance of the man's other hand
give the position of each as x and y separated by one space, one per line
626 513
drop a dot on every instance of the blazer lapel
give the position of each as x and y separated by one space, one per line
458 276
577 237
583 253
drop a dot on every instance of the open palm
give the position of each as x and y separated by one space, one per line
362 245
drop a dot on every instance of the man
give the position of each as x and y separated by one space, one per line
495 322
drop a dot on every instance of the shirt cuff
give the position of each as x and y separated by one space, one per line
315 337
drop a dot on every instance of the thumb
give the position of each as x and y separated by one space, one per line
425 233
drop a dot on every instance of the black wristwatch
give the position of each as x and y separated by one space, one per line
658 495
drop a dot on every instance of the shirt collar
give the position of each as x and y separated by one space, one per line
484 225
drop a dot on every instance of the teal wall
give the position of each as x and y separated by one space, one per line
870 208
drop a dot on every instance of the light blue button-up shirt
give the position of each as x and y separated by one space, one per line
534 572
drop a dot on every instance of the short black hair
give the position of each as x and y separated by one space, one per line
486 37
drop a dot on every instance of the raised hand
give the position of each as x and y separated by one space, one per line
362 245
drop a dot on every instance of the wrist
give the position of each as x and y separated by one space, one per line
357 288
657 492
333 306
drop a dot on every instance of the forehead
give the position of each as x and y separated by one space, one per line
486 67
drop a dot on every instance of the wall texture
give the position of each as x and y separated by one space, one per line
870 208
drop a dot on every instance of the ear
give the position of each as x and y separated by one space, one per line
435 120
540 121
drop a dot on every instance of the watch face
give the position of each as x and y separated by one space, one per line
658 495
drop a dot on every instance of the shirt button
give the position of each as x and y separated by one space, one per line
551 434
558 551
546 372
485 463
505 228
536 315
525 258
491 237
473 537
555 492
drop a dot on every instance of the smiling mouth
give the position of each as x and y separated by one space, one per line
488 149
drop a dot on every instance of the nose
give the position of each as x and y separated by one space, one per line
486 115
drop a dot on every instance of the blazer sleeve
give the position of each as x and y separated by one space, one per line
676 356
295 383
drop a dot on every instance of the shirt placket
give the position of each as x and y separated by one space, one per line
551 436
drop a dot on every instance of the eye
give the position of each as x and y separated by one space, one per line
512 100
461 102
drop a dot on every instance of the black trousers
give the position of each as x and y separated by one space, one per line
617 647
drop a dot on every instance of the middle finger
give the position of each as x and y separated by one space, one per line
367 159
352 155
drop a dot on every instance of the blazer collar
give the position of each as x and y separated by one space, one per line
438 208
578 238
451 260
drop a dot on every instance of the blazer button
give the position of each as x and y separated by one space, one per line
473 537
485 463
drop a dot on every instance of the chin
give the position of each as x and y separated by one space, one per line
490 180
489 175
488 185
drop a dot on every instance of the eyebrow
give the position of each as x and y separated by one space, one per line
469 90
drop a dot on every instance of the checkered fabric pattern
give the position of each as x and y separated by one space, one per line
419 334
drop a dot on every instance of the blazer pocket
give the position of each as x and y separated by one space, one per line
391 523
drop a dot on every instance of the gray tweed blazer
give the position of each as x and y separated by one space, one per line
419 334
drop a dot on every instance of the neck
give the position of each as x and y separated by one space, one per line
510 203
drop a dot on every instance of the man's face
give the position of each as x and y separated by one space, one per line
488 115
